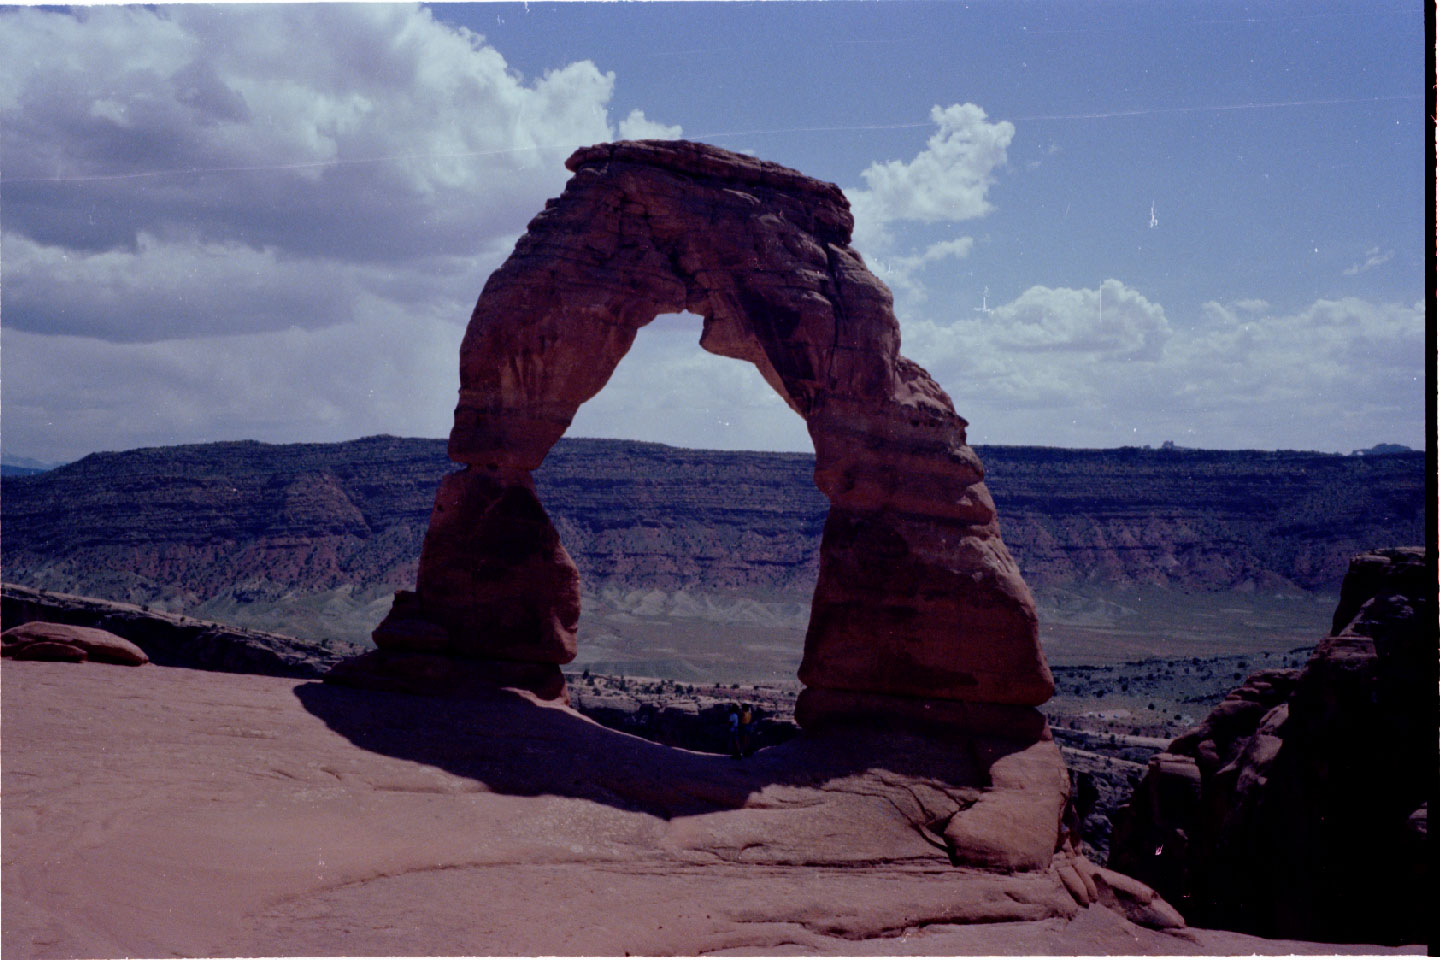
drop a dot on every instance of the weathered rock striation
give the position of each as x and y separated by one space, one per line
1299 807
181 811
221 531
917 595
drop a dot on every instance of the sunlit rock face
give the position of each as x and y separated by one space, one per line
917 596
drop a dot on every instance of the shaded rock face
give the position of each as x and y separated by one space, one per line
1299 807
917 596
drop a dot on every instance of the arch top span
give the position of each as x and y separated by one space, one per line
759 251
917 596
701 161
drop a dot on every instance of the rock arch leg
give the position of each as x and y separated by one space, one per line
917 595
497 598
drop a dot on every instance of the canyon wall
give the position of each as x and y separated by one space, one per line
248 523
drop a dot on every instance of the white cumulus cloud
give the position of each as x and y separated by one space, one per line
637 127
355 132
287 209
946 182
1048 368
1111 320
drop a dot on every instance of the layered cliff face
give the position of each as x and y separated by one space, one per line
247 520
1299 807
1212 519
221 523
645 516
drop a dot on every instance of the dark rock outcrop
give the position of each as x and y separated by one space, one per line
1298 808
916 594
170 640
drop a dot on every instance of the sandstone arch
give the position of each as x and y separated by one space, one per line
917 598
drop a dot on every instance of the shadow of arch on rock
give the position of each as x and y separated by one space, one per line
845 791
916 598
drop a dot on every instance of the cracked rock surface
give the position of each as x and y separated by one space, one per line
170 811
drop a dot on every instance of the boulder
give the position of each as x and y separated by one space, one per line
40 640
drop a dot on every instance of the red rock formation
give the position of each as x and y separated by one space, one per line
920 622
39 640
1298 808
917 595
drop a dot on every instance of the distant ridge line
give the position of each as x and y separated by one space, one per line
1382 449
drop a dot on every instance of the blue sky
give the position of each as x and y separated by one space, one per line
271 222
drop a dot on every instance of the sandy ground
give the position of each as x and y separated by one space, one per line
170 812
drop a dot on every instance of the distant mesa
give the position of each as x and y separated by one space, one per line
917 596
1380 449
260 535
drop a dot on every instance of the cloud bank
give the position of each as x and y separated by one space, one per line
286 209
1050 367
945 183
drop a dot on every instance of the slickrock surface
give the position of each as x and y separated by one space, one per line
169 811
1299 807
916 595
40 640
